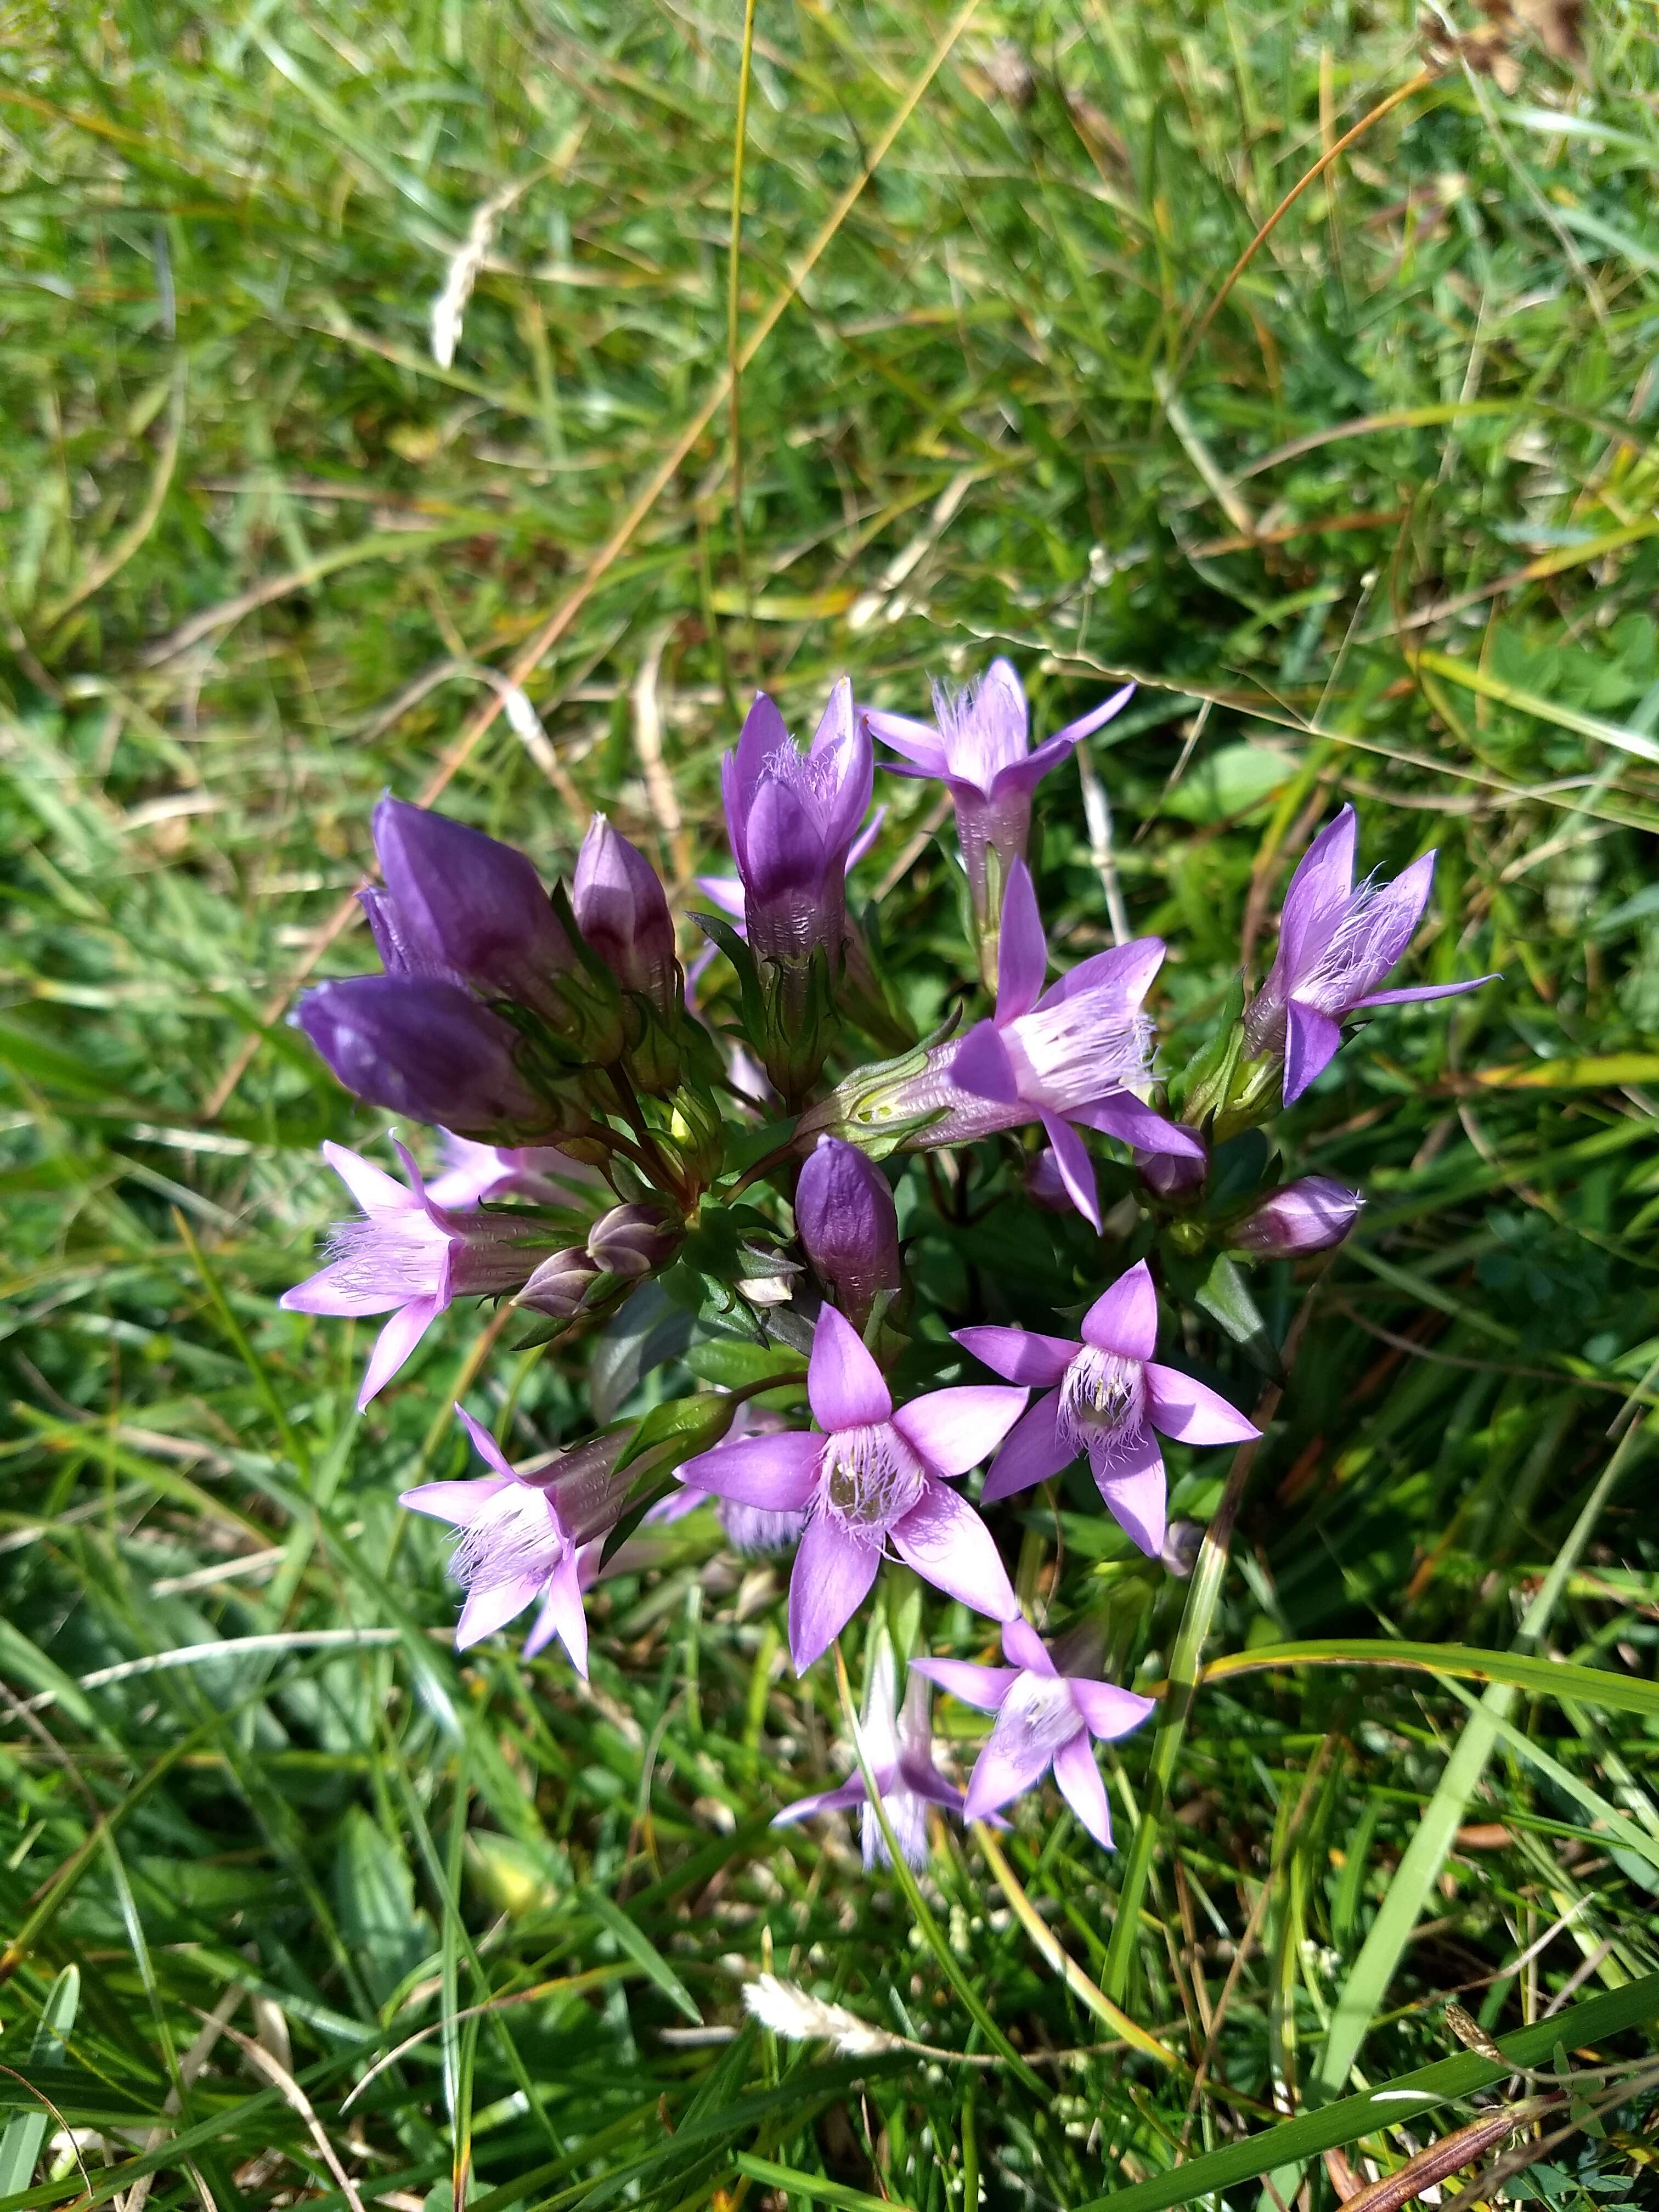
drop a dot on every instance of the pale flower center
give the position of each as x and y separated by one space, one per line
871 1479
1102 1402
1039 1709
516 1534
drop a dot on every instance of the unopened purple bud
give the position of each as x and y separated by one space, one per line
1309 1215
560 1284
632 1240
1045 1186
1171 1174
847 1222
459 901
424 1048
622 913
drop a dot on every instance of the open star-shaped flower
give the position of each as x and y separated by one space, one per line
1045 1718
1337 940
514 1545
876 1478
898 1748
1103 1397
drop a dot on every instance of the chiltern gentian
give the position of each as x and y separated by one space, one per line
460 903
1071 1054
519 1540
898 1750
411 1258
848 1223
1309 1215
874 1478
1045 1718
791 818
1103 1397
427 1048
621 911
1337 940
981 750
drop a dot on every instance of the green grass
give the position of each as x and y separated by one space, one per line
1384 529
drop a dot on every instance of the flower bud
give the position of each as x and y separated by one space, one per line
847 1222
424 1048
459 901
1309 1215
632 1240
1045 1186
560 1284
622 913
1171 1174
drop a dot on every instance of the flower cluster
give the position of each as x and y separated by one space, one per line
739 1143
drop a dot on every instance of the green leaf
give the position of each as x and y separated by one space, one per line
685 1426
733 1364
1386 2106
1546 1678
20 2147
637 1945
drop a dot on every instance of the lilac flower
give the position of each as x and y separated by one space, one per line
1309 1215
848 1223
726 894
521 1540
622 913
1103 1397
873 1478
979 750
1337 940
898 1750
425 1047
791 818
1069 1055
410 1258
462 905
474 1175
1044 1718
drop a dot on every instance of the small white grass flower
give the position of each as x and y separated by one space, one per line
794 2012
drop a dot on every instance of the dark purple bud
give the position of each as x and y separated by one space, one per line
1309 1215
560 1284
1045 1186
464 902
622 913
424 1048
632 1240
399 954
847 1222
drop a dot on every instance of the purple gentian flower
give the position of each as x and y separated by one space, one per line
521 1540
426 1049
460 904
1044 1718
1103 1397
981 750
1337 940
791 818
621 911
411 1258
473 1175
898 1750
1067 1054
875 1477
1309 1215
848 1223
633 1240
726 893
